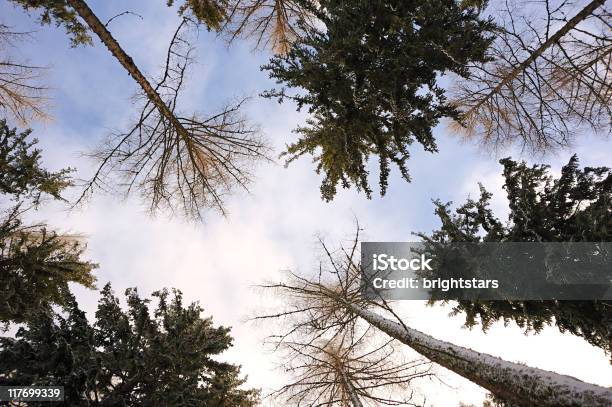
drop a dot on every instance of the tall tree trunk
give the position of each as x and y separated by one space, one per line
571 24
94 23
350 389
524 385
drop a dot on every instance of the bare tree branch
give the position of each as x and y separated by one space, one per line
122 14
270 23
175 161
330 306
548 77
351 371
21 94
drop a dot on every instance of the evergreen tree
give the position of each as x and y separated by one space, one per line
128 357
36 264
21 175
576 207
61 13
36 267
368 75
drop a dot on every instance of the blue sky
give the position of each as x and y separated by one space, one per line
272 228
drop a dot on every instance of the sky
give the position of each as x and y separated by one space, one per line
276 225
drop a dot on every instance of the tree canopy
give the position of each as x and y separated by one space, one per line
21 173
137 356
36 264
36 267
575 207
59 12
368 74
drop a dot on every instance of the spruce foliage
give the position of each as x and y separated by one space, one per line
21 174
575 207
137 356
58 12
368 74
36 264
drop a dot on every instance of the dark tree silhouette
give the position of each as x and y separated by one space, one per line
128 357
367 73
575 207
36 264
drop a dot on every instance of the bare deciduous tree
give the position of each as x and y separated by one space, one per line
331 304
21 94
550 76
348 371
175 161
271 23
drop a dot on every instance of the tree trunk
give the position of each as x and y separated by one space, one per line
583 14
81 7
350 389
524 385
